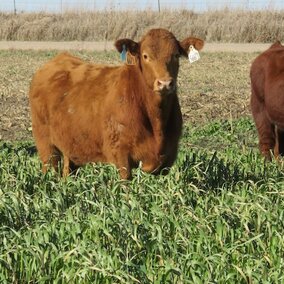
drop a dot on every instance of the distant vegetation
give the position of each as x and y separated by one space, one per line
213 26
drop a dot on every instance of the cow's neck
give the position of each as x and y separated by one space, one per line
158 109
156 106
159 105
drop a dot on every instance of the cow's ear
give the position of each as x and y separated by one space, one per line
129 45
197 43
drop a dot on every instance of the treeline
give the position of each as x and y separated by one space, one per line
213 26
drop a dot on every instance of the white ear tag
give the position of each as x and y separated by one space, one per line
193 54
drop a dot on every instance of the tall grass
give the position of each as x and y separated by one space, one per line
216 218
213 26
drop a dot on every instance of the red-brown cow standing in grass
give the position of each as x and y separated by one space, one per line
267 99
114 114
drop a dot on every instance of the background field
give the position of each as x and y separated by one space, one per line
216 87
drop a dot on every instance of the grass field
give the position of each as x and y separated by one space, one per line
217 217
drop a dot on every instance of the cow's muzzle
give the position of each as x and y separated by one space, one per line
165 84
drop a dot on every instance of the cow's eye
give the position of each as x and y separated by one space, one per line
177 55
145 56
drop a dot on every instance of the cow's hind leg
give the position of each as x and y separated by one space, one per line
69 167
279 145
66 166
265 129
50 156
266 135
48 153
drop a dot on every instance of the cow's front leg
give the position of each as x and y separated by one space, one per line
152 162
279 142
124 170
119 156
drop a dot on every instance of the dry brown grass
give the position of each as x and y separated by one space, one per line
213 26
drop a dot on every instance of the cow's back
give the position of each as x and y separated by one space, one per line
55 79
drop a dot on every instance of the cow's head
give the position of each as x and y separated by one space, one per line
158 55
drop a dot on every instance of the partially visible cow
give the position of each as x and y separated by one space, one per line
267 99
114 114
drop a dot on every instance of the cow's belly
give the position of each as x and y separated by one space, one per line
274 102
85 152
80 142
275 114
80 152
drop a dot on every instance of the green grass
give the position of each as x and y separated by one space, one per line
216 218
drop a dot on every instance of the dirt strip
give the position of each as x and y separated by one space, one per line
101 46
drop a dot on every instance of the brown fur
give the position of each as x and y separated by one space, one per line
267 99
114 114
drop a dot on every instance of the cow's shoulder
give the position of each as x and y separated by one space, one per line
66 56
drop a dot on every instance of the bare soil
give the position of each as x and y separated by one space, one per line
216 87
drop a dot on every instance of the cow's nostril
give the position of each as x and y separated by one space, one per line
165 84
171 84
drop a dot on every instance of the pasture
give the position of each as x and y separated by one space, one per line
216 218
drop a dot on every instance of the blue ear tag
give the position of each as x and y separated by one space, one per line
123 53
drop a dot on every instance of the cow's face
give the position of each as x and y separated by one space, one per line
158 55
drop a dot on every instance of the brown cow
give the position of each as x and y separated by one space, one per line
267 99
115 114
